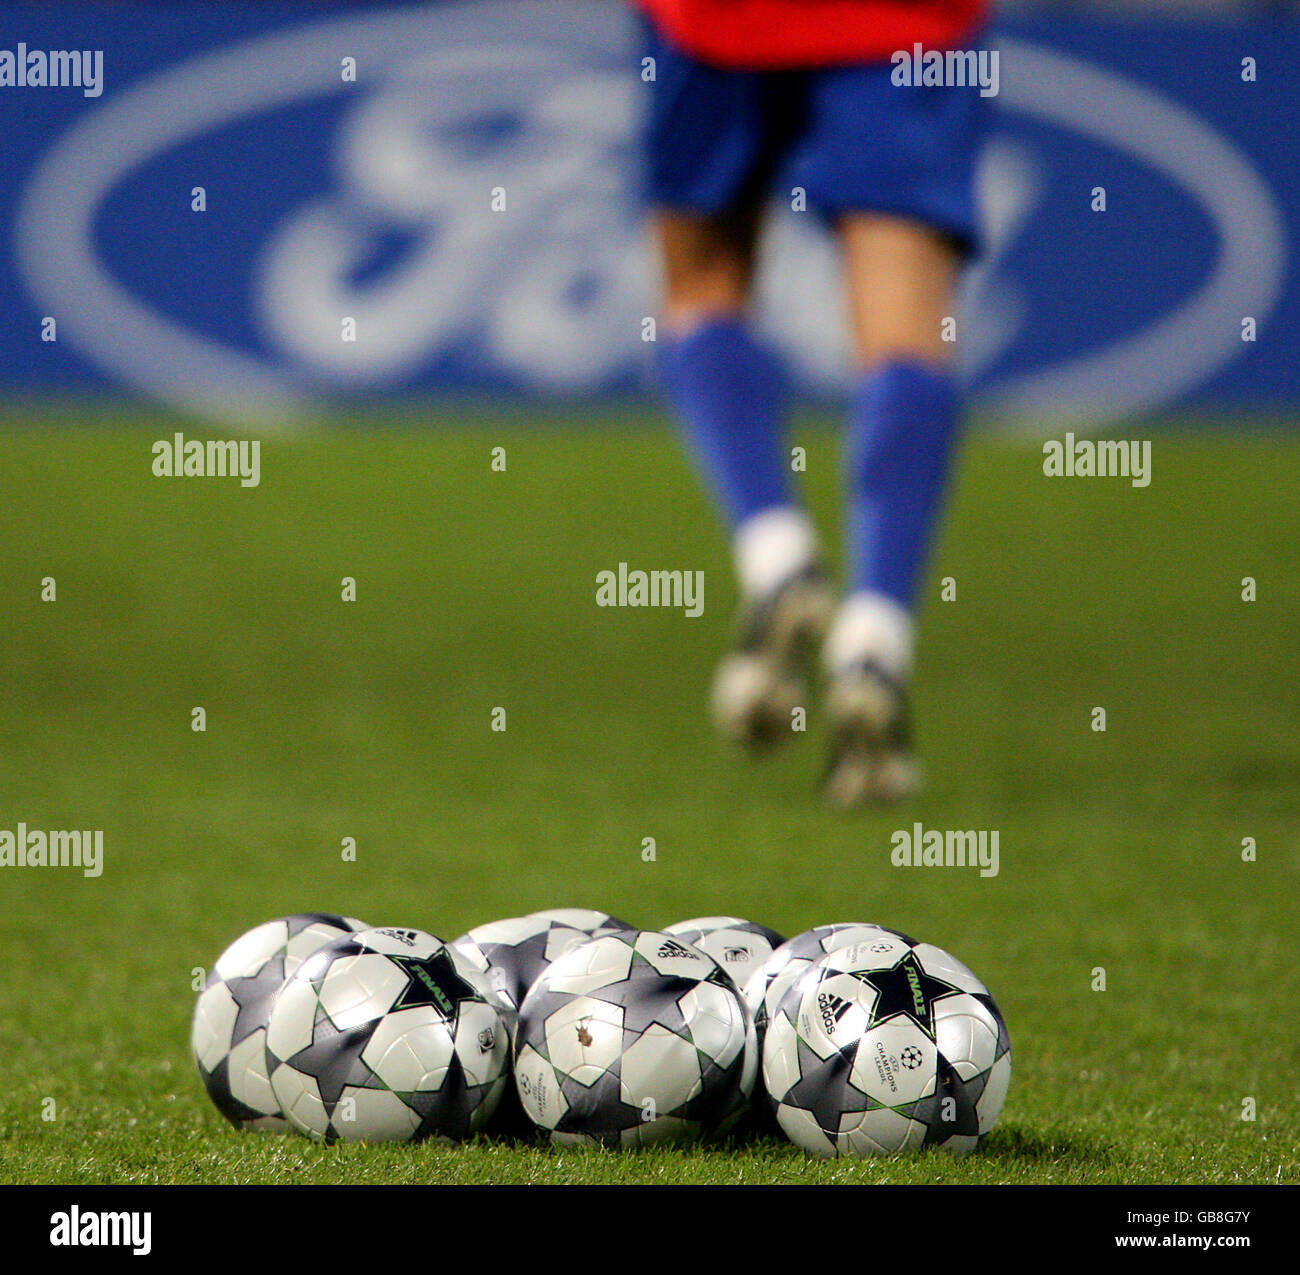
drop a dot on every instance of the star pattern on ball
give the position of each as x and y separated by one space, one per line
449 1109
253 996
300 921
519 964
664 1008
906 988
824 1088
432 980
217 1083
599 1110
960 1096
333 1060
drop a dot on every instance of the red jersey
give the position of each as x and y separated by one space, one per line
771 34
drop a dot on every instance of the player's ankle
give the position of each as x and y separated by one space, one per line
772 546
871 628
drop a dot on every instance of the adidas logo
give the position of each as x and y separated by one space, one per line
402 936
672 948
833 1008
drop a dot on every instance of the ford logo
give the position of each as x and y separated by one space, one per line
456 106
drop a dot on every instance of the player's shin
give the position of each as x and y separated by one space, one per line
729 394
901 436
730 397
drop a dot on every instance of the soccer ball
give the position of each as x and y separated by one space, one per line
631 1039
887 1046
513 953
387 1036
228 1036
769 983
739 946
584 919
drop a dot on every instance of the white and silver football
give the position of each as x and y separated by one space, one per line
768 984
514 952
881 1047
586 919
228 1036
739 946
387 1035
631 1039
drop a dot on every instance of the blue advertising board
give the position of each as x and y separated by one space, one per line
458 182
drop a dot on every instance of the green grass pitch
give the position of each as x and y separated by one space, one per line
476 590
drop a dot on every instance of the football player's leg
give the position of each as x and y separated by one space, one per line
902 428
903 418
727 386
892 168
729 394
710 153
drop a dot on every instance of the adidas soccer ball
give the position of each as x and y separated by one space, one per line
387 1036
769 983
513 953
739 946
886 1046
631 1039
228 1036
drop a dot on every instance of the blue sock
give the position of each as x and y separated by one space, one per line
729 394
902 428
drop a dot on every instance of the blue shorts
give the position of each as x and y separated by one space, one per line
721 140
